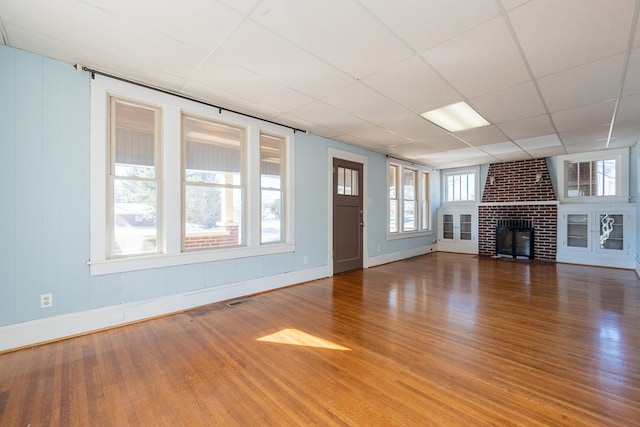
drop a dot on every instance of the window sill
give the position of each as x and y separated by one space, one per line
409 234
594 200
145 262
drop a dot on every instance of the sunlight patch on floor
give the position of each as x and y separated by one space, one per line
296 337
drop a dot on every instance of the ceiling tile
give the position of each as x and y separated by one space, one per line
109 35
596 134
629 108
584 147
416 150
623 141
506 105
595 114
501 148
363 143
511 157
632 78
539 142
480 160
242 6
168 20
381 136
512 4
260 50
558 35
367 104
351 39
232 102
636 38
447 142
330 117
423 24
588 84
483 136
416 128
413 84
482 60
528 128
230 78
627 128
547 152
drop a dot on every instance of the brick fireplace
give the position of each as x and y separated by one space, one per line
519 191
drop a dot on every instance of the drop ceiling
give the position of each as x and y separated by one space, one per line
550 76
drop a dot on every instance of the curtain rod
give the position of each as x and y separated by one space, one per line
389 156
179 95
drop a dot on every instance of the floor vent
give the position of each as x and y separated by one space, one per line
239 302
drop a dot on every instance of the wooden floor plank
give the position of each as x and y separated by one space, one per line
442 339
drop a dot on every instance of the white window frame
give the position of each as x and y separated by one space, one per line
171 253
621 156
420 202
460 171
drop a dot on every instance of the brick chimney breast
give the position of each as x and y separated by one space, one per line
520 190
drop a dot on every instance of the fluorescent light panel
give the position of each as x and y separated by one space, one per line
456 117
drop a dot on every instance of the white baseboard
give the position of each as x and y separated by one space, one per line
53 328
397 256
638 267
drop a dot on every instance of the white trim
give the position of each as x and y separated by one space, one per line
172 109
532 203
352 157
144 262
621 155
458 171
409 234
53 328
398 256
420 171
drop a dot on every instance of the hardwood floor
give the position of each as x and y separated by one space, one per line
442 339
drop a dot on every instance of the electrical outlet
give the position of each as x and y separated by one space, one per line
305 259
46 300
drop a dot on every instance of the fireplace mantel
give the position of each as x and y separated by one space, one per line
525 203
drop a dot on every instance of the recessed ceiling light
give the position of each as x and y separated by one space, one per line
456 117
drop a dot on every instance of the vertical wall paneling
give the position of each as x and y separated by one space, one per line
44 128
29 175
74 178
7 186
51 184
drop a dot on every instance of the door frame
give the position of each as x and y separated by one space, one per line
352 157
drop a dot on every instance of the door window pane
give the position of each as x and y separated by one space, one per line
347 182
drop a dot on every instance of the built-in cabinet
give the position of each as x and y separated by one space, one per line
596 234
458 230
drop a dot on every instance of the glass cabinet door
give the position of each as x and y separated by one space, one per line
465 226
578 230
447 226
611 231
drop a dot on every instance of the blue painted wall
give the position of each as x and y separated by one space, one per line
44 186
44 218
